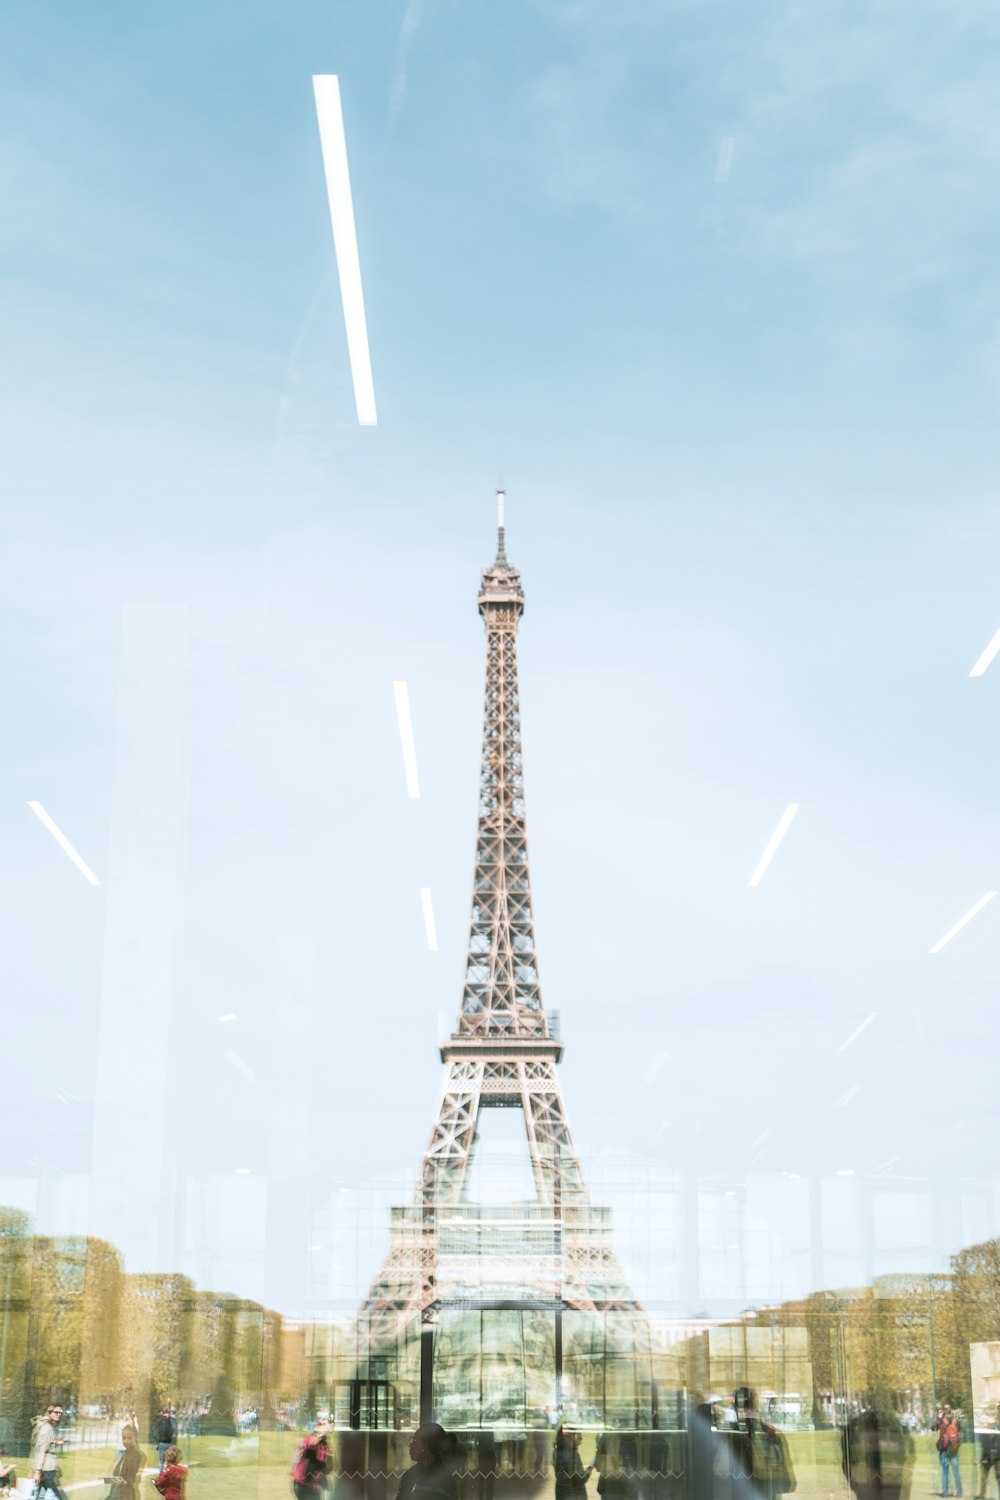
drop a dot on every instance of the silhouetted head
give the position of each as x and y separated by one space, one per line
425 1444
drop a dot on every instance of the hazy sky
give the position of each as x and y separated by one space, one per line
713 289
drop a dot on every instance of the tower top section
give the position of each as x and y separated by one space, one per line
501 584
502 1000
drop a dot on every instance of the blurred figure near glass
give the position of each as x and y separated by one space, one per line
702 1452
877 1456
758 1452
990 1457
350 1465
312 1460
615 1482
571 1476
430 1478
455 1457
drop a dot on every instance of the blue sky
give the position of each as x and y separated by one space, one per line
748 433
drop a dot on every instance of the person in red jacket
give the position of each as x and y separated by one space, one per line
172 1477
312 1461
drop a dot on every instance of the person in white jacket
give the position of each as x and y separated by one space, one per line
45 1445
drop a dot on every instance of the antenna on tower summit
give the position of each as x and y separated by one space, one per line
501 554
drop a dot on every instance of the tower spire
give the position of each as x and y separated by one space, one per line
501 997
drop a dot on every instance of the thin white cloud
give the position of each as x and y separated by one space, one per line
412 17
724 161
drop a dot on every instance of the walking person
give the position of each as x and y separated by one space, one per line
45 1445
949 1440
164 1433
571 1476
311 1462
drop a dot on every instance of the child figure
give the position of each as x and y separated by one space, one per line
8 1473
172 1477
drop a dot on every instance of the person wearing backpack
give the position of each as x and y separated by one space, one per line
312 1460
949 1440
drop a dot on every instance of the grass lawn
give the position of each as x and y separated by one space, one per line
253 1468
816 1459
221 1468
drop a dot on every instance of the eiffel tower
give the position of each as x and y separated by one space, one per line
448 1252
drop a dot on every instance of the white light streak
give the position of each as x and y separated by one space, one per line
849 1041
63 842
230 1017
659 1058
326 88
845 1172
987 657
240 1065
963 921
849 1095
725 158
880 1171
425 900
406 738
784 822
243 1171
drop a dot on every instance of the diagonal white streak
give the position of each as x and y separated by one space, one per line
857 1032
659 1058
987 656
326 88
431 930
963 921
409 749
63 842
784 823
725 158
241 1067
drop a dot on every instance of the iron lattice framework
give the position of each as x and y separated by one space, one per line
445 1249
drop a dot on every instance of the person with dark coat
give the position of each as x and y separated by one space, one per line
127 1472
430 1478
164 1433
877 1455
758 1452
571 1476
